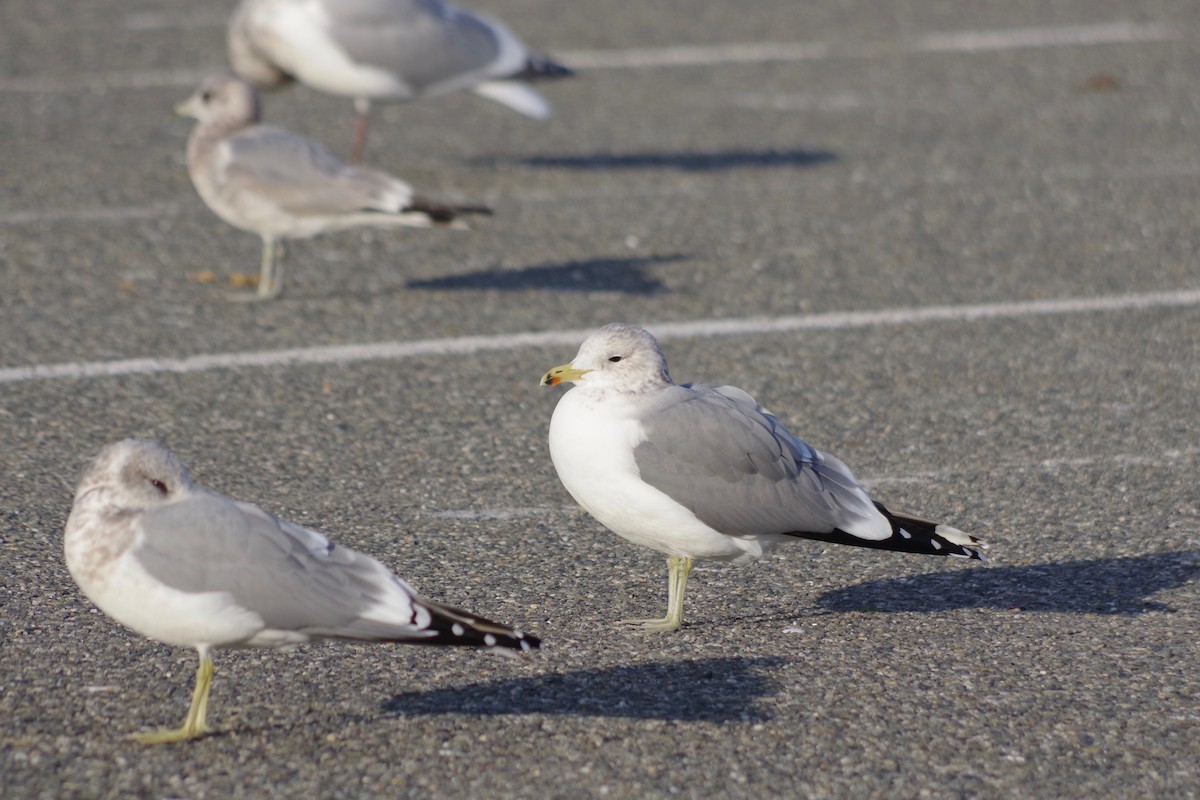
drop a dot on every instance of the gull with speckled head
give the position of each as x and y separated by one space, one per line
186 566
385 50
705 472
279 185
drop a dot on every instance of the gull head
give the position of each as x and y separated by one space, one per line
222 99
618 357
135 475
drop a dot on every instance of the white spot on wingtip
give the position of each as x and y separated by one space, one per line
489 640
936 544
905 534
457 630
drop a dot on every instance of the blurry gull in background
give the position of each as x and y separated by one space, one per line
282 186
386 50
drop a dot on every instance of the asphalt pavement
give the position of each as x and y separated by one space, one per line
736 163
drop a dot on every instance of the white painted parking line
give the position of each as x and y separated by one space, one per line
1167 459
100 214
701 55
1064 36
461 345
104 81
479 514
965 42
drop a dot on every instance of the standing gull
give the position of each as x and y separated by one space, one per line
385 50
186 566
705 472
282 186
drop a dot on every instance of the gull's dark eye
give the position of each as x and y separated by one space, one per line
614 359
206 96
157 484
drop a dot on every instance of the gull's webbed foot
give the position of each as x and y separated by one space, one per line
169 735
663 625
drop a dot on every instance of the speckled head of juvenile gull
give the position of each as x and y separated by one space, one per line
186 566
279 185
705 472
389 50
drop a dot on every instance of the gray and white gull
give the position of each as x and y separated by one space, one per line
385 50
279 185
705 472
184 565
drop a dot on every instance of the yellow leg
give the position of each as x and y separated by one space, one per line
678 568
193 726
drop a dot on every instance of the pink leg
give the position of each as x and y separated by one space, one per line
362 109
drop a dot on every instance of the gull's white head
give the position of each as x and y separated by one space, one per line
135 474
619 357
224 100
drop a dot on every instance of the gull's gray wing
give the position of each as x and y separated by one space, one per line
302 177
716 451
294 578
425 43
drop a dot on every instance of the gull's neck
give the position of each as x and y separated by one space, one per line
207 135
617 398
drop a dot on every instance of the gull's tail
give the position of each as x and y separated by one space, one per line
515 92
911 535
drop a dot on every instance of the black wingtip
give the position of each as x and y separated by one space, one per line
450 626
910 535
443 213
542 68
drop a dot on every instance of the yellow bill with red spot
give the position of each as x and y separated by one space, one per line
566 372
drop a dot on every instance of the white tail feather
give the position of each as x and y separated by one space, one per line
958 537
520 97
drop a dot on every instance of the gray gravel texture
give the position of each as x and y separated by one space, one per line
1065 667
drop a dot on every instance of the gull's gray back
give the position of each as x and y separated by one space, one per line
304 178
420 41
717 452
291 577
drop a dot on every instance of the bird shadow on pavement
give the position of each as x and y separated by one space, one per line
687 162
1095 586
706 690
620 275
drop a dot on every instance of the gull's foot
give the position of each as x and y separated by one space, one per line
267 291
250 297
663 625
168 735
